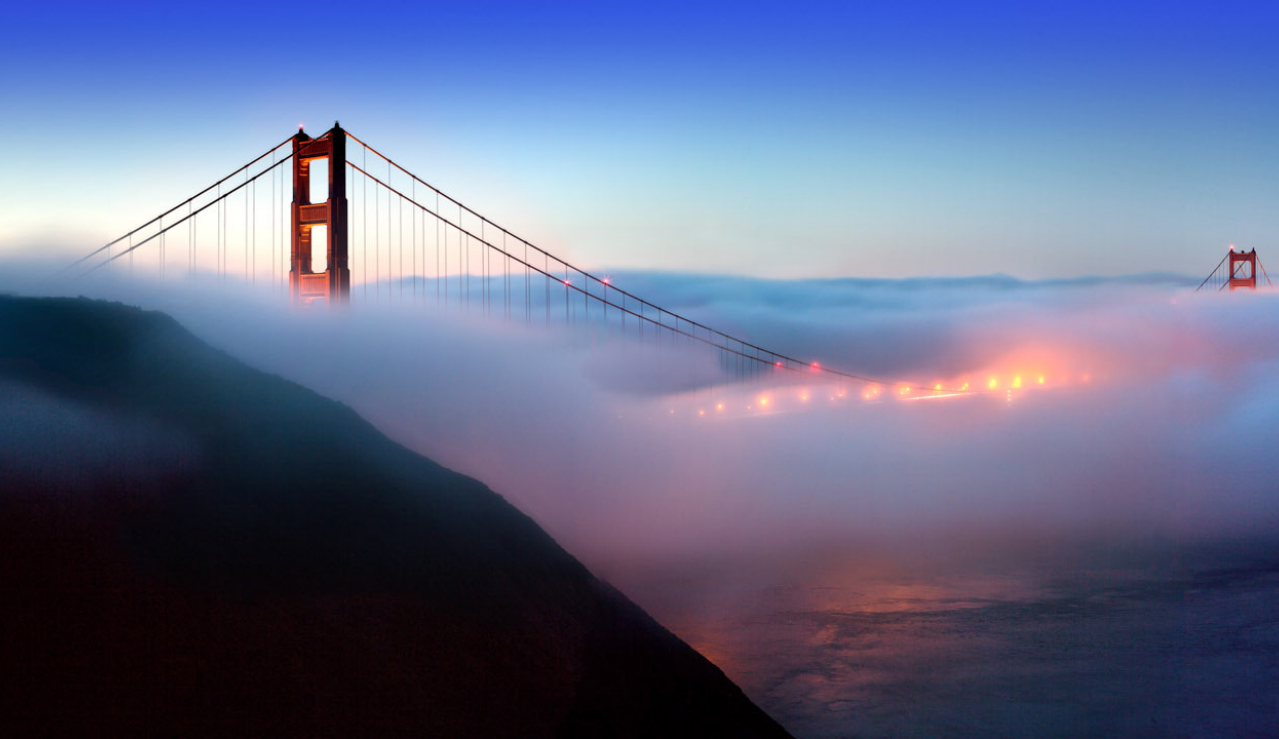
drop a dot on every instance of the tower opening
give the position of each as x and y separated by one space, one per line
319 179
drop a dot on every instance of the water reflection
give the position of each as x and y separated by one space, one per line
875 650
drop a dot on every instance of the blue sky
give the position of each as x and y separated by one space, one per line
782 140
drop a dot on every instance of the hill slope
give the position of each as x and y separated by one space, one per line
189 546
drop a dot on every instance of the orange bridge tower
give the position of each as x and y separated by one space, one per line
333 284
1243 269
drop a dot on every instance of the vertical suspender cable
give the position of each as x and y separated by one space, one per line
377 244
414 228
464 257
438 273
274 175
399 209
246 226
364 218
254 271
221 216
388 235
484 265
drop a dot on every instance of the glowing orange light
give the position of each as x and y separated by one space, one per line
904 391
993 383
701 413
937 387
1041 379
964 386
1017 381
763 401
719 406
803 398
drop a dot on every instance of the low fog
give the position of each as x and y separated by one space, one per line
1129 408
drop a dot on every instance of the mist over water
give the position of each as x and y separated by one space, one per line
866 561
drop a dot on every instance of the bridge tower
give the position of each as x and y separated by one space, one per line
334 283
1243 269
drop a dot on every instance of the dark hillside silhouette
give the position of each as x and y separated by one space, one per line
192 547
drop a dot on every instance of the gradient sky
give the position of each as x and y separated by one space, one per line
780 139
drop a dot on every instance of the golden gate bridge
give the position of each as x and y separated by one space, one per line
295 234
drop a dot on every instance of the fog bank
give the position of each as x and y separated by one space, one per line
1125 408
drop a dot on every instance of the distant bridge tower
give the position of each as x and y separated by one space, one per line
334 283
1243 269
1237 269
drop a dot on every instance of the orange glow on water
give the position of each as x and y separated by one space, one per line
994 383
